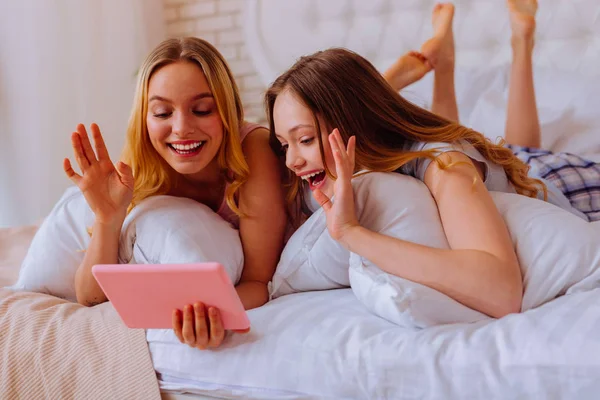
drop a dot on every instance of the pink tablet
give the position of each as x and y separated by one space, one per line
145 295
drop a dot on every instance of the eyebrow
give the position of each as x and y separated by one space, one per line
293 130
196 97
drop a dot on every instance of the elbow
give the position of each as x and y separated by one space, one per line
86 301
83 301
509 300
80 294
83 298
253 293
510 305
505 295
84 295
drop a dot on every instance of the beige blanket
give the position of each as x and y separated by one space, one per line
53 349
14 243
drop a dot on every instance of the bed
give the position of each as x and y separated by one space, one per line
325 344
310 345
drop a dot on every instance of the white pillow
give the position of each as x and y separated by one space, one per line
395 205
177 230
58 248
402 207
311 260
161 229
559 253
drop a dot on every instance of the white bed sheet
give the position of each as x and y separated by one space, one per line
327 345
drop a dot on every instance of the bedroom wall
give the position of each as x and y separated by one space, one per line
61 63
220 22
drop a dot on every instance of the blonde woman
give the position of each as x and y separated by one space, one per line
187 138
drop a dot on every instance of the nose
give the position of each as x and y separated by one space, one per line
182 124
293 160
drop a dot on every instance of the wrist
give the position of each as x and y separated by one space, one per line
111 225
351 236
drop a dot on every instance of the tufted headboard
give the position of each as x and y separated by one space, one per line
566 58
278 32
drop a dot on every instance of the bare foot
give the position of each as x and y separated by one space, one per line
522 21
439 50
408 69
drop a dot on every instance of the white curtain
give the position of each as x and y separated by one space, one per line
63 62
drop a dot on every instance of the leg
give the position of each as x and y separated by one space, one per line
522 121
439 51
407 69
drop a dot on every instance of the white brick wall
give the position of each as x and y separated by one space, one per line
220 23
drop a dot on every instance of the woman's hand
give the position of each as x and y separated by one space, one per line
108 189
341 215
199 326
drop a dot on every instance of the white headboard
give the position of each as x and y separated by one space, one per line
567 55
279 31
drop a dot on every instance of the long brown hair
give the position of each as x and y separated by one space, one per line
345 91
153 176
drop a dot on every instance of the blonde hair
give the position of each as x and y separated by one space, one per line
346 92
153 176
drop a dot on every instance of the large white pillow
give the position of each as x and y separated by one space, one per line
402 207
161 229
393 204
311 260
558 252
177 230
58 248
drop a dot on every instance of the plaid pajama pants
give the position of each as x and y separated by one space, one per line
576 177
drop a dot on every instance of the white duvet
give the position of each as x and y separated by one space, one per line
327 345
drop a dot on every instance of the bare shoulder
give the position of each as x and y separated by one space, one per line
257 149
455 166
258 137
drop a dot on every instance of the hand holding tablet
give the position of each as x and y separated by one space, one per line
146 295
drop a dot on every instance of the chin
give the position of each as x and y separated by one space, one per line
188 171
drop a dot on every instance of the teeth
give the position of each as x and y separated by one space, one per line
187 147
308 176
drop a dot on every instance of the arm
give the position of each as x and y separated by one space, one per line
103 249
262 229
108 190
481 270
